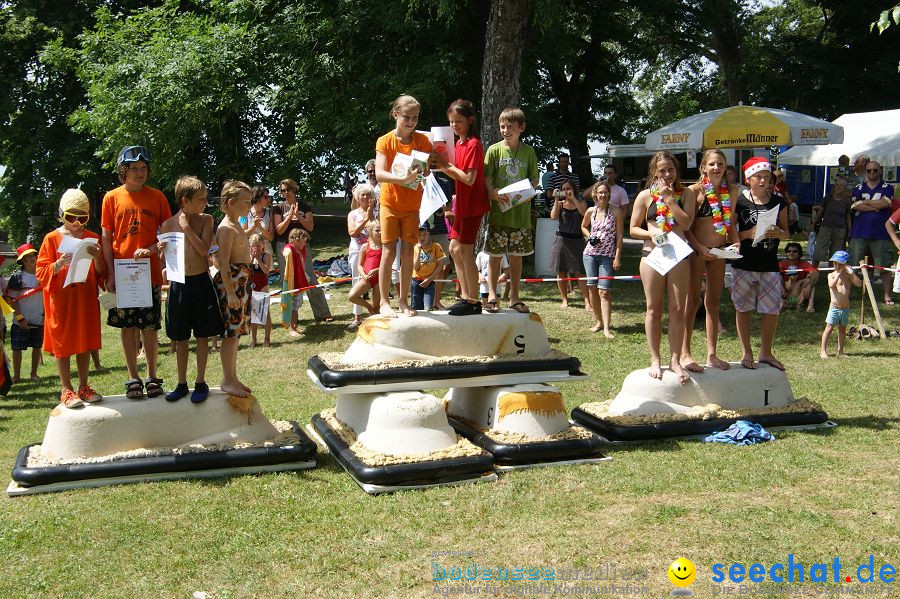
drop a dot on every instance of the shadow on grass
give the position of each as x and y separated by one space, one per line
655 445
876 423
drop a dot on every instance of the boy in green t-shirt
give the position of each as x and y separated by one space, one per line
509 232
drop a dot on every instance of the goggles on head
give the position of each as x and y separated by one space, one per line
133 154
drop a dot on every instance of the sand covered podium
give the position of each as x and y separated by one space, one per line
119 440
388 434
647 408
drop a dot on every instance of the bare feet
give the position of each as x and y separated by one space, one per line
689 363
771 361
565 304
655 371
252 343
235 389
607 334
714 361
823 354
683 375
406 310
597 328
245 387
747 362
35 377
386 310
294 333
811 309
439 306
842 354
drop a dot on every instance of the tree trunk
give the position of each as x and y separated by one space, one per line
502 64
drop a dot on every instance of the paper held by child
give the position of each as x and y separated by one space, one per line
133 283
81 259
433 198
765 220
665 256
404 163
725 254
174 254
442 143
259 307
516 193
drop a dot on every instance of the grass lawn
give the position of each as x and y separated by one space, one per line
817 495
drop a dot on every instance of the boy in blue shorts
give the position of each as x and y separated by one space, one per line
839 312
193 305
509 231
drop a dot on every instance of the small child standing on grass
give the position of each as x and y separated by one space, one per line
369 263
71 314
399 205
427 257
293 277
23 292
839 312
233 281
192 305
261 265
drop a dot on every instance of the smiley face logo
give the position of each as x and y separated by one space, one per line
682 573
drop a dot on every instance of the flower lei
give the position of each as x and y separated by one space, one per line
665 220
720 205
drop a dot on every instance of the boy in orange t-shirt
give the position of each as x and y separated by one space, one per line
399 205
131 217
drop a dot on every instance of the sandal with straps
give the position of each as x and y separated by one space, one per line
154 387
134 389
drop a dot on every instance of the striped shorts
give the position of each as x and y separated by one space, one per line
760 291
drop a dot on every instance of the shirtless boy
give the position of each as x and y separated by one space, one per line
839 312
233 281
192 305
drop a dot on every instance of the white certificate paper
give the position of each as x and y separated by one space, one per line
664 257
442 143
80 265
432 198
765 220
516 193
174 254
133 283
403 163
725 254
259 307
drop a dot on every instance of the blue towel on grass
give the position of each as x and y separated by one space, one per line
741 432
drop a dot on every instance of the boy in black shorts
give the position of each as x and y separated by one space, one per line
192 304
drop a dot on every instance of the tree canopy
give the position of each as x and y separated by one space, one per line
266 89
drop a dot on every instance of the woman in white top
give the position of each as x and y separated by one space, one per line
364 197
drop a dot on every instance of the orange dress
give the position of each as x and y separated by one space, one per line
71 314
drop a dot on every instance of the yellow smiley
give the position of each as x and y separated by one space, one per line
682 572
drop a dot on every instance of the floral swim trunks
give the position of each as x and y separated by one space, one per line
236 321
509 241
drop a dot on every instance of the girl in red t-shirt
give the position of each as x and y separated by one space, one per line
471 203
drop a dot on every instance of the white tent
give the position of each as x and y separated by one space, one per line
876 134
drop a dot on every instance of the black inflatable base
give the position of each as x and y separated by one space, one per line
381 479
688 428
190 465
342 378
529 454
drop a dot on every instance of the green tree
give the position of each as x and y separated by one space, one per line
40 153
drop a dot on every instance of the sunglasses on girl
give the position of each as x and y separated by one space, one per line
75 218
